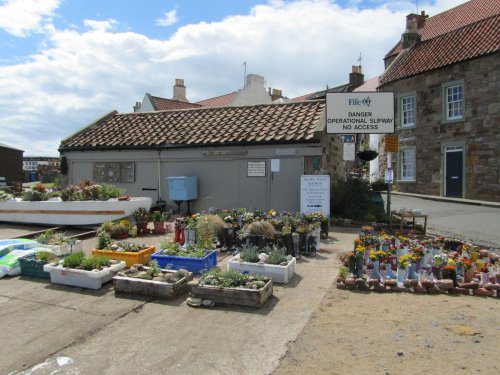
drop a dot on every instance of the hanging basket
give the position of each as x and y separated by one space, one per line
367 155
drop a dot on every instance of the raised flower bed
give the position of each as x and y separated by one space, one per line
275 265
153 282
129 253
58 242
234 288
194 259
32 265
77 270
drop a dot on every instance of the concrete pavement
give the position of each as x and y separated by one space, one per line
477 223
48 327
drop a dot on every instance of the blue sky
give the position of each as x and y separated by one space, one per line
65 63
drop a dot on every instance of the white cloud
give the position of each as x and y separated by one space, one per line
100 26
168 19
22 17
298 47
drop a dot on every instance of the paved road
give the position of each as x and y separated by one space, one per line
478 224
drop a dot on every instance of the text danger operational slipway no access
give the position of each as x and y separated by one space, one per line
363 112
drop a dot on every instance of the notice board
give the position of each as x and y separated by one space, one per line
315 194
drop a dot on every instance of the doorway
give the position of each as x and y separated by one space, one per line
454 156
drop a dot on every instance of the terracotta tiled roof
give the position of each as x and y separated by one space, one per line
370 85
162 104
219 101
274 123
322 93
455 18
472 41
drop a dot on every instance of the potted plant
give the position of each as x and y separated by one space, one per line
234 288
365 153
271 262
142 218
58 242
85 272
193 258
123 251
158 222
152 281
119 229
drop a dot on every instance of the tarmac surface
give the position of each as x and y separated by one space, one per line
48 327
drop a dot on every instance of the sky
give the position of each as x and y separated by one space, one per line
66 63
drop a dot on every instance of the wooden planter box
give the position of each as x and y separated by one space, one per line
82 278
234 296
195 265
279 274
151 288
129 257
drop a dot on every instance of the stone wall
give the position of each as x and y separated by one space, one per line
479 132
332 161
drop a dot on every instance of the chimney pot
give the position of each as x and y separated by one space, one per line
137 107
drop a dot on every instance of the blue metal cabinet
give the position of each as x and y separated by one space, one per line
182 188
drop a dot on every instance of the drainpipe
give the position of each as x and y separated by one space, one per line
158 199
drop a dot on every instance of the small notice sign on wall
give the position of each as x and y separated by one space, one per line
256 169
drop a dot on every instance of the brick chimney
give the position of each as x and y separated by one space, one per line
275 94
356 78
179 90
411 36
137 107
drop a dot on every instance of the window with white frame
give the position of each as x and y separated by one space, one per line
408 111
453 101
408 165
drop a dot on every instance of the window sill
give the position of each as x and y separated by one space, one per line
452 121
406 127
406 181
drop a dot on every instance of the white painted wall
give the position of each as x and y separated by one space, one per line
253 93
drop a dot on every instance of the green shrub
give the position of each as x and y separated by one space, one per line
352 198
251 254
74 260
277 255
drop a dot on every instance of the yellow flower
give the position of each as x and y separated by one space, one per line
451 262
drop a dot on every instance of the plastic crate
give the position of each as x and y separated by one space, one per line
32 267
130 258
195 265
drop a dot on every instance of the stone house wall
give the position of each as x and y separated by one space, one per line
479 132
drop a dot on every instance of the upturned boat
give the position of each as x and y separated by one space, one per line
58 212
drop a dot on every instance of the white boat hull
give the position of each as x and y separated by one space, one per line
70 213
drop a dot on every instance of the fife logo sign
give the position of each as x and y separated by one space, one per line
360 102
361 113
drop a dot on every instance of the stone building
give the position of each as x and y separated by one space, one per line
11 164
445 73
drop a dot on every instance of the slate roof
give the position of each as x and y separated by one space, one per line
162 104
465 32
274 123
219 101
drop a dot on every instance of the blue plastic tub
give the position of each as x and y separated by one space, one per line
195 265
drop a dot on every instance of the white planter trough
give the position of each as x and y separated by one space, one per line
81 278
60 250
279 274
